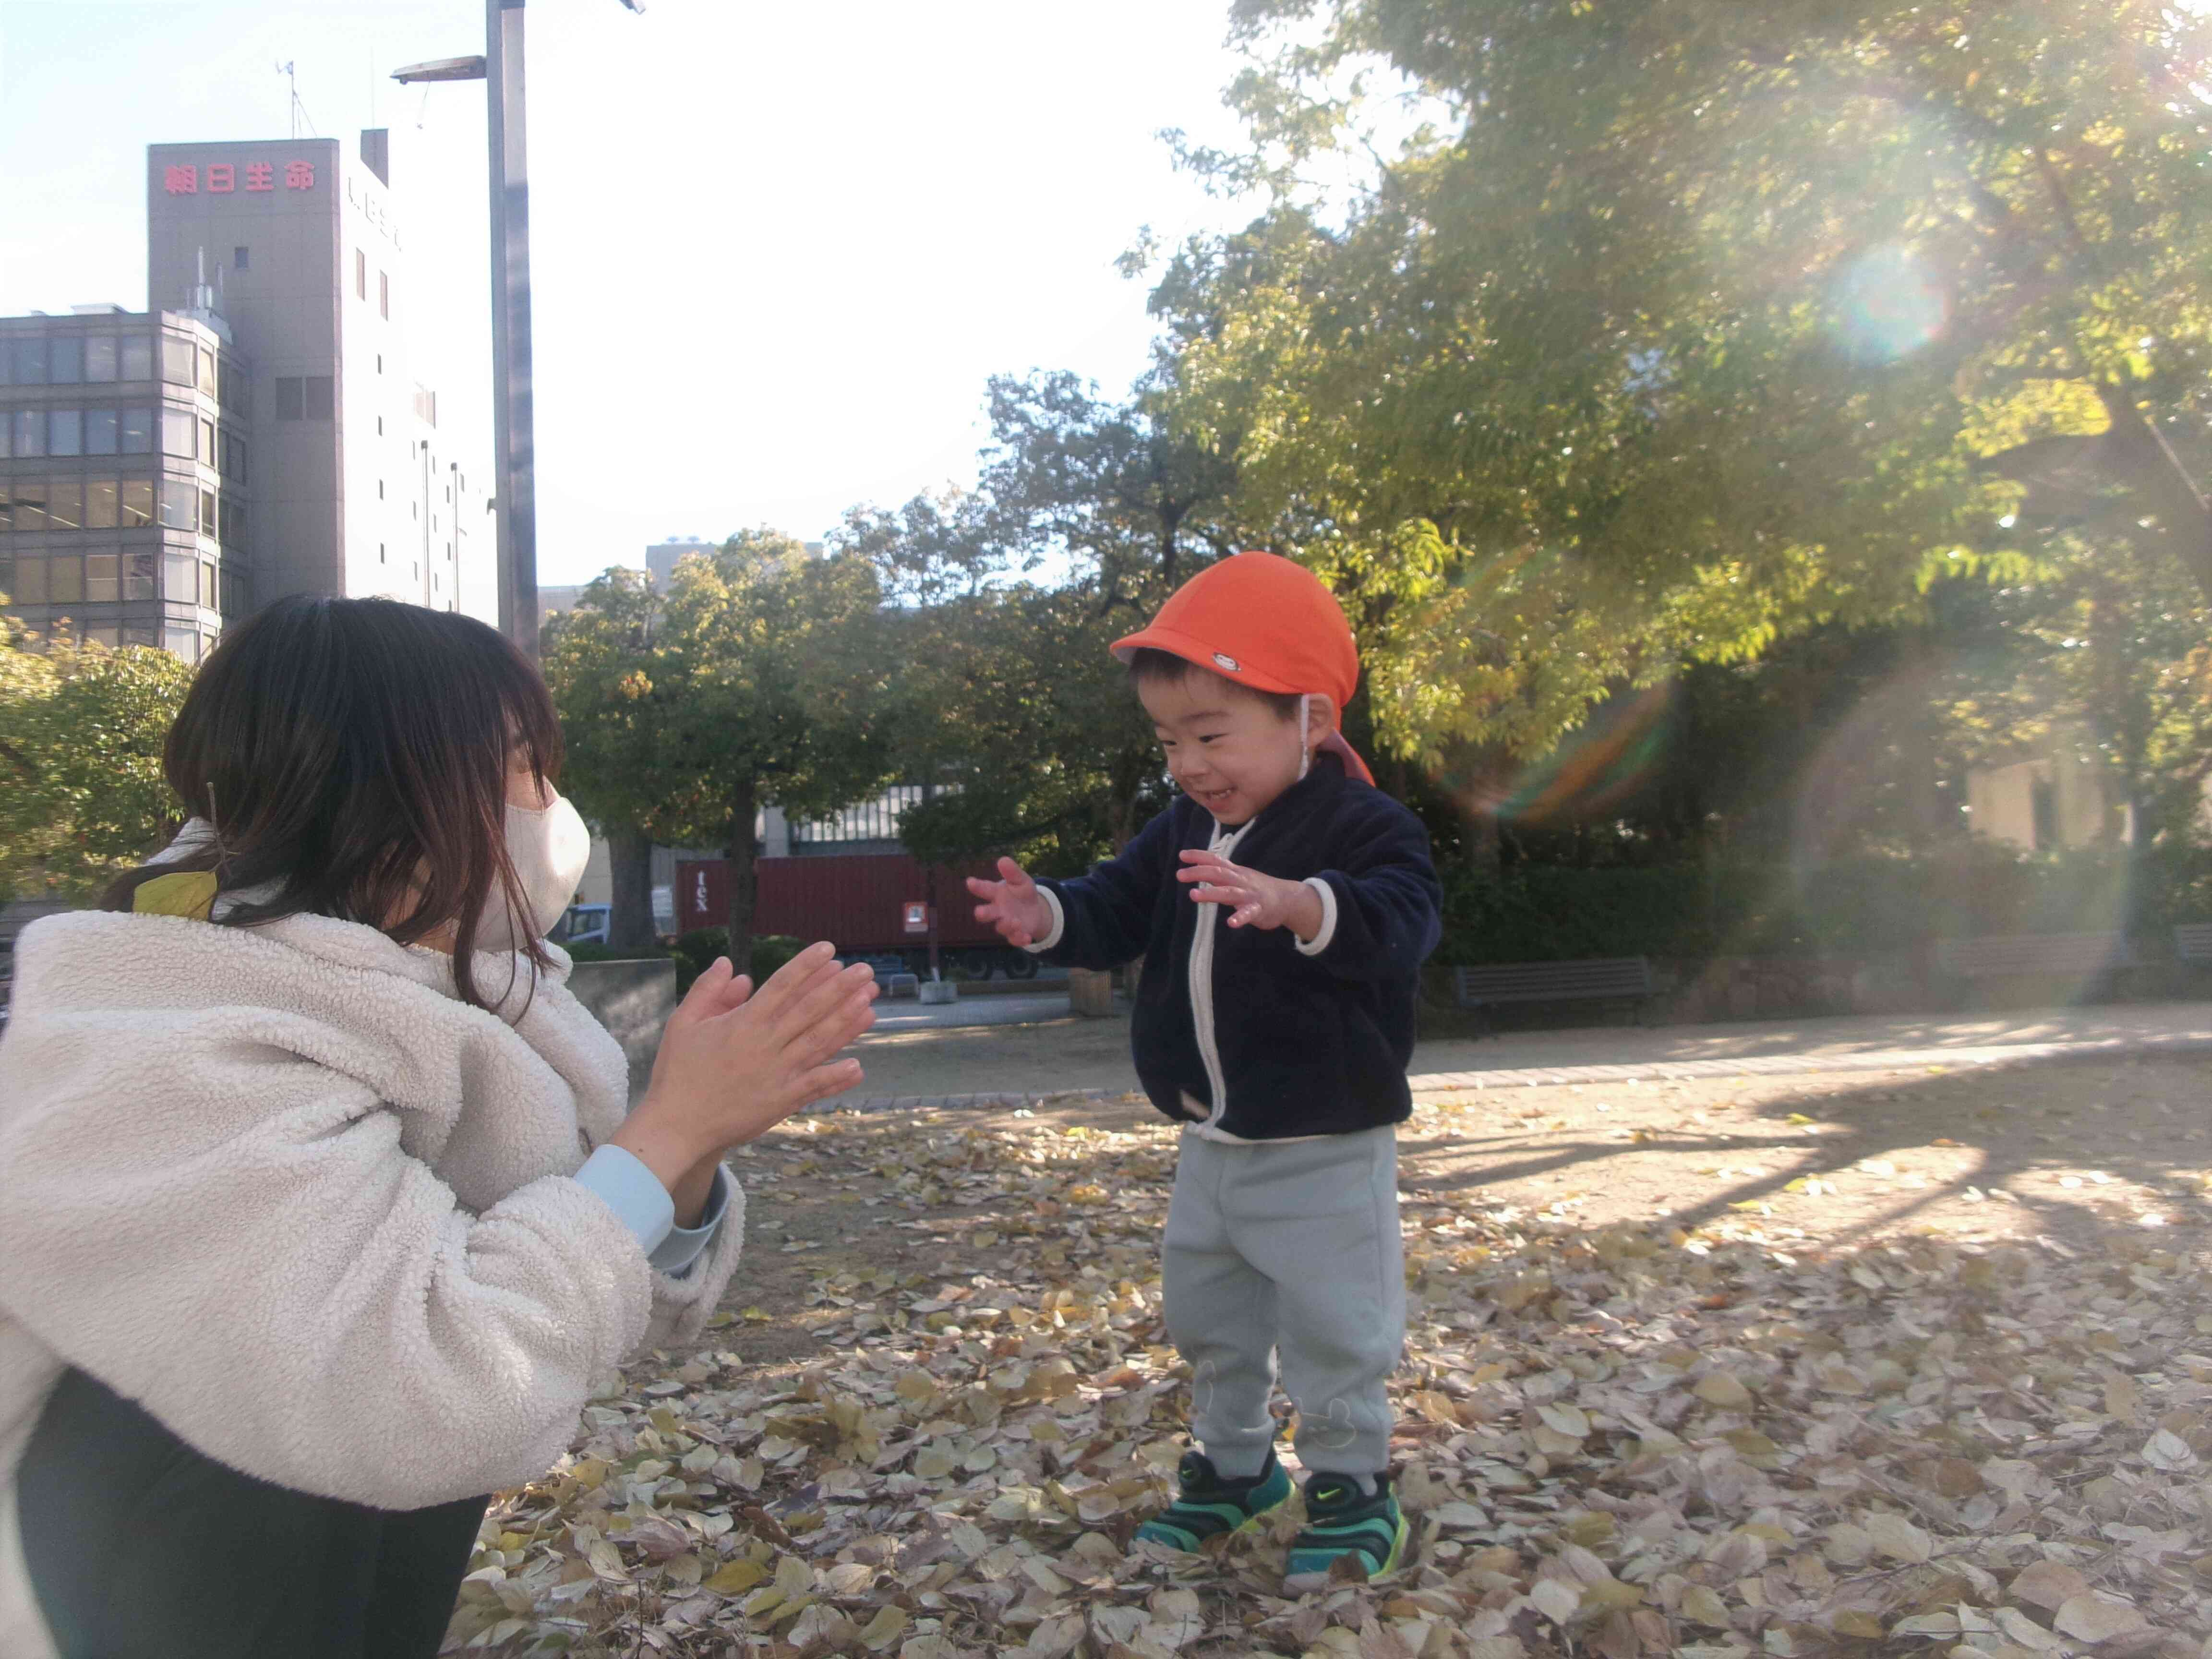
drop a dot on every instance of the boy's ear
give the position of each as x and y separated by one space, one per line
1322 717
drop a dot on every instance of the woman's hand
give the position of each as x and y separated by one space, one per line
1012 904
1252 900
734 1062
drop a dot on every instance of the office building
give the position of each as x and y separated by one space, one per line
280 387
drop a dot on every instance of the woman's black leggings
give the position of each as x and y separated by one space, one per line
139 1547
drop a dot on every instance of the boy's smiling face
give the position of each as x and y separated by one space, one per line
1226 747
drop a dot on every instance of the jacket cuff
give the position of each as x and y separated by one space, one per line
1319 942
633 1192
1059 924
684 1245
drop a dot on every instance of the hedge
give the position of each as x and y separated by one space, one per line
1865 907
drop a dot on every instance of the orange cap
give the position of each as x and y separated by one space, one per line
1261 620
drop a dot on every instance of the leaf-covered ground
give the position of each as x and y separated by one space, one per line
1876 1364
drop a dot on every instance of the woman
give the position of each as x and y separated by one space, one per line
320 1212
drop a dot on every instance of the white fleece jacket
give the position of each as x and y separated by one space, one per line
283 1188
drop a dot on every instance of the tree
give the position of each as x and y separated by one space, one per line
600 659
769 682
1680 326
83 796
1015 707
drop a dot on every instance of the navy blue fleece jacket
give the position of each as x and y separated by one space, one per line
1270 1038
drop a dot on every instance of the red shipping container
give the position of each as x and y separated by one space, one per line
855 900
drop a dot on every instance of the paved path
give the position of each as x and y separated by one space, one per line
904 1015
1763 1049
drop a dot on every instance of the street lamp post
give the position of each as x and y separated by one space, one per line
514 438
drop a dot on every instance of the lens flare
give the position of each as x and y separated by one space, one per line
1598 767
1887 304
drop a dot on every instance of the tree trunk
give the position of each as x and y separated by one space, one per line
744 872
630 851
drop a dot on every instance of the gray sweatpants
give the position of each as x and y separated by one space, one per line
1289 1251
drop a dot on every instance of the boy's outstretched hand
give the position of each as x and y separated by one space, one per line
1013 905
1253 900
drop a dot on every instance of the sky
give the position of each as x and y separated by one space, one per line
776 249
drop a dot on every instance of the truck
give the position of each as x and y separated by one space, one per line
874 906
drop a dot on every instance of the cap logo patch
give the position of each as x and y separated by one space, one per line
1228 662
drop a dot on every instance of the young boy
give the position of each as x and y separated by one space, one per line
1279 1040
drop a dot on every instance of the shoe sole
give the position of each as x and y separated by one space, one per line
1302 1582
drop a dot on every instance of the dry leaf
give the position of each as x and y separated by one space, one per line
2091 1618
2047 1585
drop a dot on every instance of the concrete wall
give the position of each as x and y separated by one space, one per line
632 1000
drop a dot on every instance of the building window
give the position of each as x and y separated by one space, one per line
137 496
233 457
211 375
177 365
138 570
208 451
290 403
383 294
30 504
65 501
320 391
64 579
101 503
103 581
180 504
210 524
26 363
234 522
99 431
100 358
180 578
181 642
137 357
177 432
137 431
64 431
360 274
66 362
30 582
30 433
239 259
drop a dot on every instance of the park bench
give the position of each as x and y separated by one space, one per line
2035 956
1596 979
2192 941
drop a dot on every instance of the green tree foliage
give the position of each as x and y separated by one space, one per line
81 793
599 661
2107 653
1087 513
1682 324
767 681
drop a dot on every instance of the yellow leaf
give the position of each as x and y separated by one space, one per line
885 1628
1719 1389
1700 1604
735 1578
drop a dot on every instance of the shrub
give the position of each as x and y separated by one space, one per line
695 952
1864 907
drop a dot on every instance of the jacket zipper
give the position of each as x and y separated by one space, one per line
1222 845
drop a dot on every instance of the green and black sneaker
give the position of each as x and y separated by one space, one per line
1207 1506
1342 1523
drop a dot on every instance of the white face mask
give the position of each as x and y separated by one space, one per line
548 847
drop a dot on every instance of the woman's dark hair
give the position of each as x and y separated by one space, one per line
1165 668
352 756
